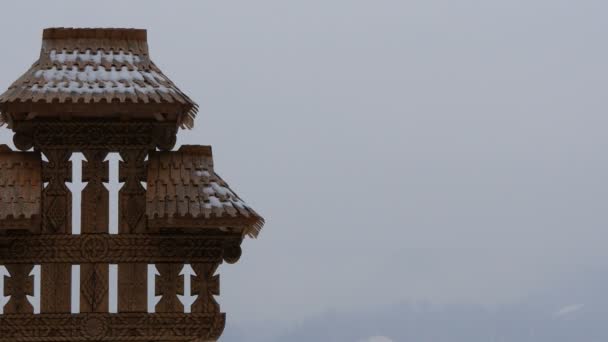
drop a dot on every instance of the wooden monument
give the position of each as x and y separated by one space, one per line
96 92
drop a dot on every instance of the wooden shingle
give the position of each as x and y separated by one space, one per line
184 191
20 190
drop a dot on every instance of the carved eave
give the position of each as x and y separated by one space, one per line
20 190
79 135
184 192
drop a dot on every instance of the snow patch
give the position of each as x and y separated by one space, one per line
96 57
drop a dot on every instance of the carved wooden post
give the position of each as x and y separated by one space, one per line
206 284
56 219
95 216
132 277
169 285
19 286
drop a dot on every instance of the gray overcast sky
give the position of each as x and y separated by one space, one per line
449 151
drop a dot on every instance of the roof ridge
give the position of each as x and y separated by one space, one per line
94 33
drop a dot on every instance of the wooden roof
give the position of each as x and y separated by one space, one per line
110 68
185 192
20 189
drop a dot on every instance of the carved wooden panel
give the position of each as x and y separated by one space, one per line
206 285
132 195
19 286
94 134
95 210
132 287
57 219
169 284
122 248
95 196
55 290
146 327
56 197
94 288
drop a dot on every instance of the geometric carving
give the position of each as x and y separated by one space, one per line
95 196
122 248
132 195
94 288
19 286
206 284
56 197
169 284
158 327
108 135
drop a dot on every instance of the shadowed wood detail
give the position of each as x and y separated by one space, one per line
56 197
95 196
132 287
206 285
104 327
95 210
57 219
94 134
132 195
55 289
122 248
20 190
94 288
169 284
18 286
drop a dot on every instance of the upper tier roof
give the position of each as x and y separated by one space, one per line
95 73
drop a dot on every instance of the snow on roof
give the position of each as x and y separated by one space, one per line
183 190
95 66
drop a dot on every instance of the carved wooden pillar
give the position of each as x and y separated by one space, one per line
132 277
55 291
95 217
206 284
169 284
56 197
95 196
19 286
132 196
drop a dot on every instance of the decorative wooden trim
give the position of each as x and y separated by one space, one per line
94 288
56 197
95 196
80 135
18 286
122 248
206 285
169 284
159 327
132 195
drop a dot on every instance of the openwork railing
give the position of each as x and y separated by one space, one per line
136 254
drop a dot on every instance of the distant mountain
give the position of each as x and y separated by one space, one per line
568 312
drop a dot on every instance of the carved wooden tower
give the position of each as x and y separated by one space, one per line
96 92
